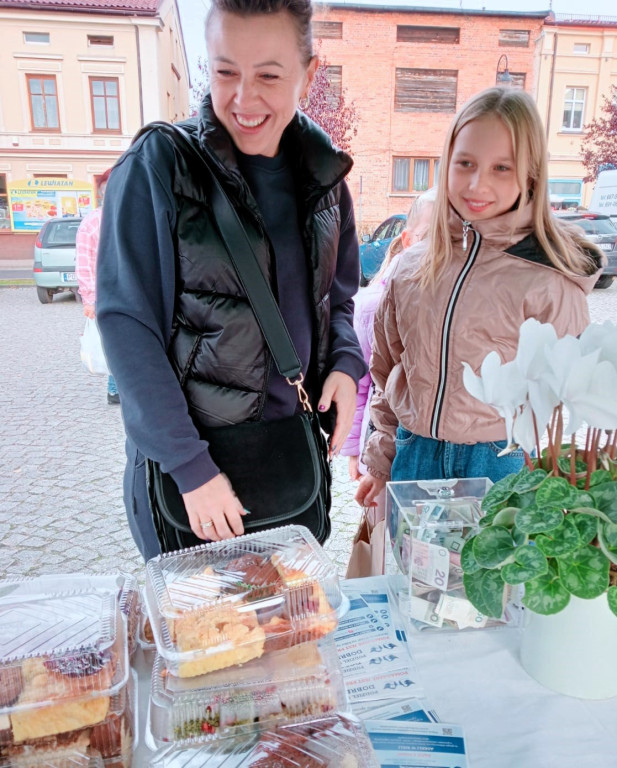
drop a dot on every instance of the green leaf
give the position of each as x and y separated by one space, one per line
534 520
584 499
528 481
545 594
584 572
563 462
522 500
493 546
605 497
612 599
498 494
599 476
520 538
556 492
505 517
561 540
486 591
529 563
587 526
609 531
469 564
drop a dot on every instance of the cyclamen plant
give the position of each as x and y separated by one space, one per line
553 525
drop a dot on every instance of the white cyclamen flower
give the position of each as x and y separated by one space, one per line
500 385
535 339
600 337
585 384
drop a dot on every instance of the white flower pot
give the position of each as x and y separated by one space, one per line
575 651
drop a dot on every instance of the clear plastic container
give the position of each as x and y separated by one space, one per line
304 682
145 638
69 759
124 586
228 602
112 741
428 523
62 660
337 742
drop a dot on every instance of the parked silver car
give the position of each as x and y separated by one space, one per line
602 231
54 258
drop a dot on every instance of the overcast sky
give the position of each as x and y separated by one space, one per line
192 13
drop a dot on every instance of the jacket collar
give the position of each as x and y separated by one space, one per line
501 231
321 165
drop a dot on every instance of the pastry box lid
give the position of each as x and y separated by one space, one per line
247 588
337 742
123 585
70 759
304 682
59 648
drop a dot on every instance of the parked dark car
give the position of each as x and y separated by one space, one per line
600 229
374 247
54 258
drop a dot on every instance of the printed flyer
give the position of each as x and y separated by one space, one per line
417 745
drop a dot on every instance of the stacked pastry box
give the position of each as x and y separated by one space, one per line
66 691
247 672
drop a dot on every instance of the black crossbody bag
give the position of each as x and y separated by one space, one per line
279 470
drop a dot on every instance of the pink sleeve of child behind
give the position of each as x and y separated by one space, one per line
86 248
366 303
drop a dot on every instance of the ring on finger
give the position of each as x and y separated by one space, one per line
209 524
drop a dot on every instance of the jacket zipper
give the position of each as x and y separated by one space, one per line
447 325
466 225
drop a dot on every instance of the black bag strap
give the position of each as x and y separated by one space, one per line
244 260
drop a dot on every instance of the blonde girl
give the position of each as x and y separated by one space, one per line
495 256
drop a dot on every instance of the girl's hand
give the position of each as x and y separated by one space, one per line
368 490
339 388
354 471
89 311
214 510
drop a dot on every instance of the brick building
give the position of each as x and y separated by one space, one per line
409 70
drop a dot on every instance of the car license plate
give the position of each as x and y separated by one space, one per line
68 277
607 246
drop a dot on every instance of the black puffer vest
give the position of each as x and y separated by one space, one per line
217 348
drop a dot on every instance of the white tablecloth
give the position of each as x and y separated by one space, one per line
474 679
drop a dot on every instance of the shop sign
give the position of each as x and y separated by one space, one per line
33 201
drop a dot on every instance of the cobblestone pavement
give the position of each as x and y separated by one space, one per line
62 450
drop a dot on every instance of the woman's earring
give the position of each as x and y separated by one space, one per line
304 103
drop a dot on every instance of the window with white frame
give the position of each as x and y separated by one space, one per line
581 48
574 109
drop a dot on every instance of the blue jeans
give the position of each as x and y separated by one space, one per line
422 458
112 389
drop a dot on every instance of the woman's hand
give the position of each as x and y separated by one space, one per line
354 468
368 490
89 311
339 388
214 510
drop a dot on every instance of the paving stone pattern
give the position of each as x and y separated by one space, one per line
62 449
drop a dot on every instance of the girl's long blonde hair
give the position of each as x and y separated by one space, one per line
564 247
396 246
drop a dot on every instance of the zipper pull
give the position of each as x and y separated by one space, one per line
466 225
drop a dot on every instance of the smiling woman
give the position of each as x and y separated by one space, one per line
169 287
